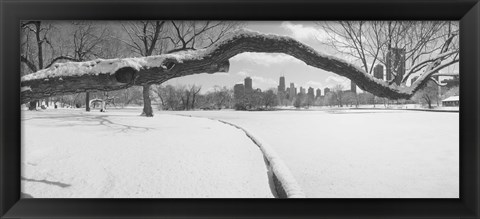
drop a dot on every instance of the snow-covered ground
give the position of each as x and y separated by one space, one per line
68 153
360 153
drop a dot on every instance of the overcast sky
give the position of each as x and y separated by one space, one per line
266 68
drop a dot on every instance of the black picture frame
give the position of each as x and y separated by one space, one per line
11 12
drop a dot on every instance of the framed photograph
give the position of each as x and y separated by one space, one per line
239 109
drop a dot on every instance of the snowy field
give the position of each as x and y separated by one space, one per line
360 153
70 153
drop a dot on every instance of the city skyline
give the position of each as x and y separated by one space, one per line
247 85
265 69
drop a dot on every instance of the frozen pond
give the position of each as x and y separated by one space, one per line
361 153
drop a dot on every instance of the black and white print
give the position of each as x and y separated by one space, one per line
240 109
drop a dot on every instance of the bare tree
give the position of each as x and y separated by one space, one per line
270 98
351 98
145 38
86 40
192 35
221 97
338 94
428 95
422 44
34 57
193 91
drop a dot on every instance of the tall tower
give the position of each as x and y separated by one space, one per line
310 93
302 90
353 86
319 93
293 91
281 86
396 64
326 91
248 84
378 71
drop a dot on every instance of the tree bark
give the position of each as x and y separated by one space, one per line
115 74
147 103
87 101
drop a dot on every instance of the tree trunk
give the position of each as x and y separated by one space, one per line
147 103
87 101
193 102
32 105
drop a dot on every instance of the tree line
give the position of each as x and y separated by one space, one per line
188 97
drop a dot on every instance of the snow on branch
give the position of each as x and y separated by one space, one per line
115 74
425 63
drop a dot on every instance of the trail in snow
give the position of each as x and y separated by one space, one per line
118 154
281 180
360 153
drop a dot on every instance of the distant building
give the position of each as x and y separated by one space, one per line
248 84
326 91
318 93
238 91
302 90
353 87
281 86
378 72
396 63
292 91
451 101
311 93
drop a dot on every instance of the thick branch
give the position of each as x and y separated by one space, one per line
30 65
114 74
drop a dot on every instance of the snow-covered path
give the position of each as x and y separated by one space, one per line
118 154
361 153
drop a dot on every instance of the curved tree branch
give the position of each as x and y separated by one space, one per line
30 64
115 74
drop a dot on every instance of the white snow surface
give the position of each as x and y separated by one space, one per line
281 171
70 153
361 153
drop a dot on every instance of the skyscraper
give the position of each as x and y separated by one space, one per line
378 71
353 87
326 91
319 93
302 90
281 86
248 84
293 91
396 64
310 93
